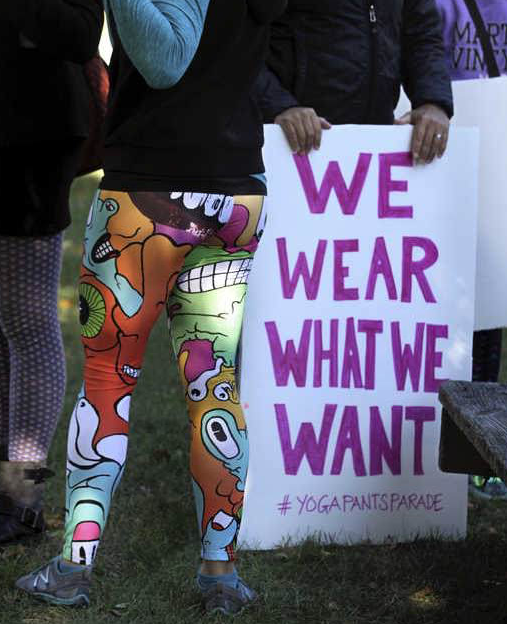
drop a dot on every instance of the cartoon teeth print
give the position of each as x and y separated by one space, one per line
221 205
214 276
103 250
85 542
204 278
132 372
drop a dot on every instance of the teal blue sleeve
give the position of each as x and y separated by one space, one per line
160 37
261 177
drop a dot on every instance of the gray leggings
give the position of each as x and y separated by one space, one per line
32 360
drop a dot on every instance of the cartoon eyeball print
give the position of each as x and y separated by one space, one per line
92 310
223 391
221 435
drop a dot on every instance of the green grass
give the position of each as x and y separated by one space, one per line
148 558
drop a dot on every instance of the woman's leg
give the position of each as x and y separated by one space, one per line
29 279
127 272
4 396
33 377
206 314
135 247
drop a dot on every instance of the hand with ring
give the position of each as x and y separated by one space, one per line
431 132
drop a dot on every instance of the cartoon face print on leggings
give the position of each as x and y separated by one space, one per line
219 444
97 466
206 313
145 251
100 256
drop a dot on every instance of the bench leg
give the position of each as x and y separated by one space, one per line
457 453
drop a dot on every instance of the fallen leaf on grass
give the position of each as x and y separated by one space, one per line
65 304
425 598
54 521
119 610
12 551
116 613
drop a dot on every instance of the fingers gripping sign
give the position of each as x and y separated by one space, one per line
431 132
302 128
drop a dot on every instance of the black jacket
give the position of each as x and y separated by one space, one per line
347 59
43 92
208 125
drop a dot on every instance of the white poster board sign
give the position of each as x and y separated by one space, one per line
360 302
482 103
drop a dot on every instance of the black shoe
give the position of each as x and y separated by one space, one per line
18 523
21 492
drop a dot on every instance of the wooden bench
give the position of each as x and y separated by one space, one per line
473 438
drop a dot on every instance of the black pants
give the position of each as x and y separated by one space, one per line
36 183
487 352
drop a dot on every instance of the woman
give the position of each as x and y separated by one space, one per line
176 223
44 105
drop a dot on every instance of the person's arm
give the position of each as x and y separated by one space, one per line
273 98
301 125
66 29
160 37
426 80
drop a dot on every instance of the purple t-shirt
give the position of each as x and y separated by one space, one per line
462 44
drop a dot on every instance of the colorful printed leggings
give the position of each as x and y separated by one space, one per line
144 251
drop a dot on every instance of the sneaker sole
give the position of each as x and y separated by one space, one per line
78 601
224 611
483 495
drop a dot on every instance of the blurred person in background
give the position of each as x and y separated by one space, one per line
344 62
475 39
44 104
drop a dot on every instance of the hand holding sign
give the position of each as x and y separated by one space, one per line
430 134
303 128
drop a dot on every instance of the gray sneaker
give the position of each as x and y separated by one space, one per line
56 586
221 598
